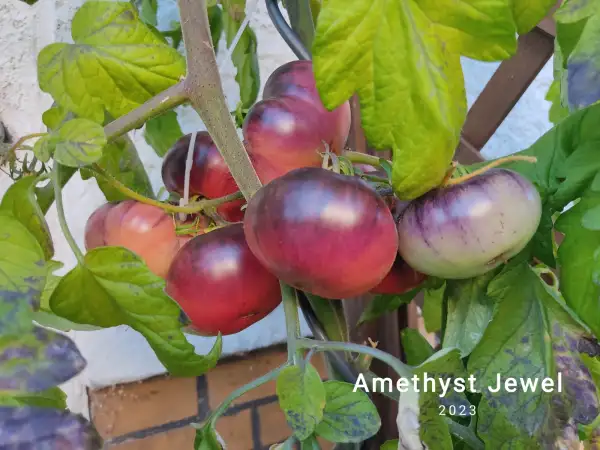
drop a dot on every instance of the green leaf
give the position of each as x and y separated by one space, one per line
390 445
35 359
543 239
121 160
54 116
348 416
148 10
579 258
583 64
215 20
20 201
115 287
22 274
244 57
479 29
410 84
302 398
566 158
384 303
310 443
557 112
50 398
419 420
528 13
44 147
433 301
162 132
331 315
469 312
206 439
576 10
79 142
416 348
533 335
115 64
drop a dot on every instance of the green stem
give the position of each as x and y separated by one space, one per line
190 209
204 89
161 103
292 321
362 158
61 216
399 367
242 390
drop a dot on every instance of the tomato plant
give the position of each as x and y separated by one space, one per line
512 305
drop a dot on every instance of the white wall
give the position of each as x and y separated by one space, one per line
121 354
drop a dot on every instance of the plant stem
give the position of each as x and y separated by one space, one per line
292 321
190 209
401 369
204 89
61 216
362 158
242 390
491 165
161 103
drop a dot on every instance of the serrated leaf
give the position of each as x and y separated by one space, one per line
50 398
115 64
22 273
244 57
348 416
162 132
385 303
433 308
535 337
302 398
79 142
44 147
121 160
416 348
410 84
37 361
576 10
469 311
46 428
528 13
20 201
579 259
114 287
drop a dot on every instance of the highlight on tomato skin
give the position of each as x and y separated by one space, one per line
209 175
464 230
323 233
297 79
400 279
220 285
145 230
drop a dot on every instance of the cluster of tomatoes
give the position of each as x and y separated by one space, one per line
319 231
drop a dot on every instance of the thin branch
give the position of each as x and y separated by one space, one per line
61 216
163 102
204 89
